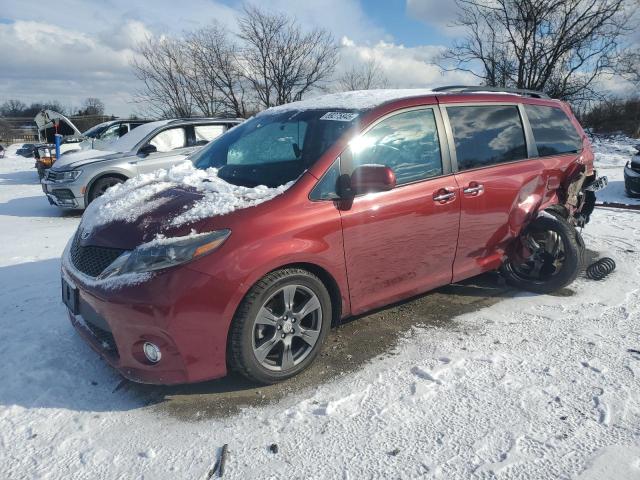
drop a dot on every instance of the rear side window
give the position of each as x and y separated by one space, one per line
407 143
553 131
487 135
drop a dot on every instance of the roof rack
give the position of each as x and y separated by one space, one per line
477 89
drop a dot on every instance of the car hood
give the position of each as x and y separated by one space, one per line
46 121
171 203
77 159
125 234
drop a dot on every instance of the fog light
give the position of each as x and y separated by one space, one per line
152 352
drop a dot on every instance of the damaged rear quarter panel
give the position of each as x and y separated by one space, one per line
513 195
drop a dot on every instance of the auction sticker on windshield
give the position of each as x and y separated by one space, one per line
339 116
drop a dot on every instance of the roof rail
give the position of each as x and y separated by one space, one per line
472 89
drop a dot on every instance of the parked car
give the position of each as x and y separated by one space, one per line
26 150
323 209
98 136
78 178
632 175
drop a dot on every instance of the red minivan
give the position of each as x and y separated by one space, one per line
321 209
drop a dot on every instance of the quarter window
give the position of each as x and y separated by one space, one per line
553 131
407 143
168 140
487 135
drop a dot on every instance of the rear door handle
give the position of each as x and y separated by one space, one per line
444 195
473 189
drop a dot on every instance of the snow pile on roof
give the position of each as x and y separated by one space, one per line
131 200
355 100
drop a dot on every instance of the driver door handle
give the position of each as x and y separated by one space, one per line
444 195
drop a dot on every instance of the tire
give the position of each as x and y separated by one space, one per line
550 271
101 185
258 344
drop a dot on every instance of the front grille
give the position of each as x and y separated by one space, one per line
63 194
92 260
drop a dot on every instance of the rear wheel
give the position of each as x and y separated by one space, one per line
557 256
102 185
280 326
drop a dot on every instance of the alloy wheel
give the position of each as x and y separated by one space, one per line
287 328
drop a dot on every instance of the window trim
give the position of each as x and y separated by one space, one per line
530 145
533 138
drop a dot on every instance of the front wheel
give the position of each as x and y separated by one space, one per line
102 185
557 256
280 326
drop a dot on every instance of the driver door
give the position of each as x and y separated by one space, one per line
401 242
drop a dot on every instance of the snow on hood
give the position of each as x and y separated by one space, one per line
355 100
129 201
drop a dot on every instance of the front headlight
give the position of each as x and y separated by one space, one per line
165 252
68 176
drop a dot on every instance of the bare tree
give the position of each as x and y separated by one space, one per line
363 77
281 62
217 82
557 46
629 66
12 108
92 106
163 68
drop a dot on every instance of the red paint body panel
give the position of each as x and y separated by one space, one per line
382 248
490 220
399 243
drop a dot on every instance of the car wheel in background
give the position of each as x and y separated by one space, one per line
557 256
102 185
280 326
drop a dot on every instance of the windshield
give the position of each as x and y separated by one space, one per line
96 130
273 149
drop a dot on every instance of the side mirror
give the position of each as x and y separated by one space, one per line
367 179
147 149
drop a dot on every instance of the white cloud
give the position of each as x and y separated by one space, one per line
404 67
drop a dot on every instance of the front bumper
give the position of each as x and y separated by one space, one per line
64 195
175 309
631 181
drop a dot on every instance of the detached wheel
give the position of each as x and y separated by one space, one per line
280 326
102 185
557 256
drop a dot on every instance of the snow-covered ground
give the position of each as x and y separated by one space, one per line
534 386
612 154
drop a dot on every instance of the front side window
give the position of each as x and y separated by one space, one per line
406 142
553 131
487 135
274 148
170 139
